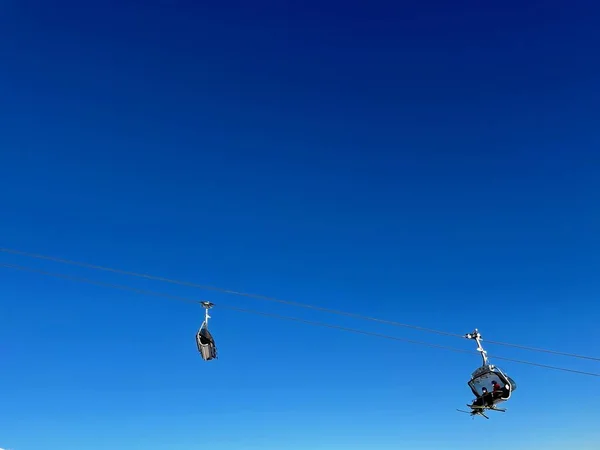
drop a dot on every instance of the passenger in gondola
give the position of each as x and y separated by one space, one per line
478 401
498 391
487 398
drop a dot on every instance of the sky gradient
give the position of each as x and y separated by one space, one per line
431 163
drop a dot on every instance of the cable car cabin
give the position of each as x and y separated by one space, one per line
491 386
206 344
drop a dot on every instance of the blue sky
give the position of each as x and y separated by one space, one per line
430 163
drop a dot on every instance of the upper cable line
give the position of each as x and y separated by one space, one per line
280 317
285 302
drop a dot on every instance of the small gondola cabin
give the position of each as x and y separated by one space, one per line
206 344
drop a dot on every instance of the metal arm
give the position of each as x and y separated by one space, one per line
475 335
206 306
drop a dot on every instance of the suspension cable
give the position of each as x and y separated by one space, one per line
280 317
286 302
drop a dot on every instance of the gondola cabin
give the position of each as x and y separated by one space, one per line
488 383
206 344
204 340
490 380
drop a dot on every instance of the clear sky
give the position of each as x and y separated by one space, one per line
434 163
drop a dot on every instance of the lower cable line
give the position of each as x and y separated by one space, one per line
280 317
286 302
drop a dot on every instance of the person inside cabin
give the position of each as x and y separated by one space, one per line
487 397
497 389
479 401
